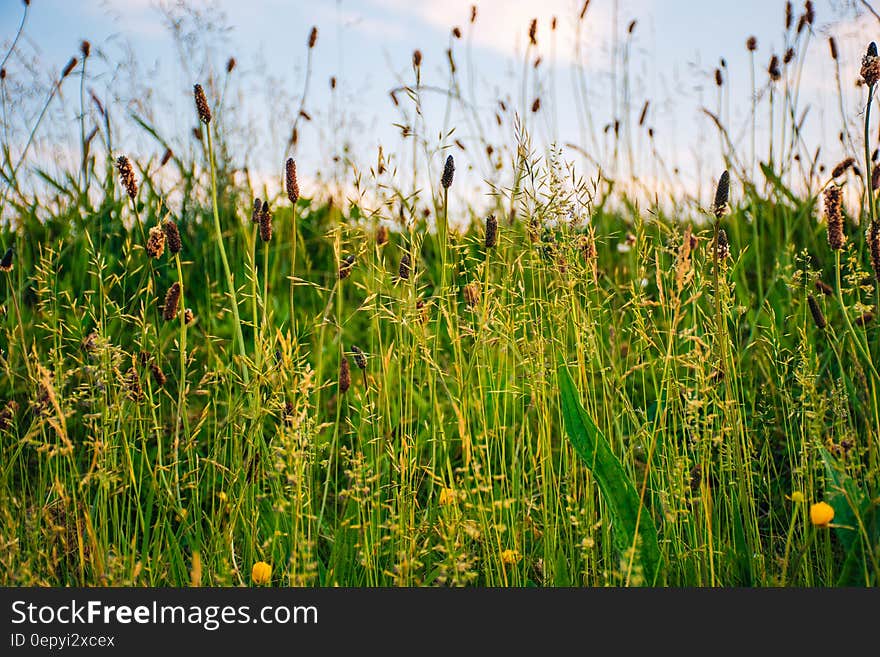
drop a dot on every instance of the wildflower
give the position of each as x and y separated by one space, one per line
510 557
261 573
821 514
797 497
870 71
722 193
202 104
447 496
172 236
834 218
816 311
156 242
172 299
290 181
126 176
265 222
491 231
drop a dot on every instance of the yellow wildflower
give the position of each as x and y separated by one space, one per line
261 573
821 514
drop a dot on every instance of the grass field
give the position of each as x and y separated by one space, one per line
568 389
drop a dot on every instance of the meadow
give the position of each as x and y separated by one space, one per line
567 388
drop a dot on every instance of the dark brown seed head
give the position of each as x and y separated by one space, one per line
834 218
360 359
870 71
290 181
448 172
417 58
6 262
287 413
875 178
644 113
172 299
346 266
7 415
166 156
403 271
381 235
126 176
172 236
69 68
472 294
832 45
258 207
536 105
864 320
719 79
313 37
809 12
2 73
344 375
841 167
788 56
473 13
332 82
158 375
156 242
816 312
722 193
188 316
823 287
265 222
723 245
85 48
202 104
873 239
491 231
230 65
773 69
789 15
456 32
752 44
533 32
133 385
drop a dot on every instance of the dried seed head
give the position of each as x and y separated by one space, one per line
156 242
448 172
258 208
773 69
722 193
381 235
873 239
789 15
85 48
360 359
6 262
472 294
172 236
533 32
841 167
230 65
265 222
719 79
752 44
417 58
126 176
158 375
491 231
788 56
456 32
7 415
644 113
346 266
167 155
832 45
424 314
823 287
202 104
870 71
536 105
69 68
172 299
344 375
403 271
875 178
188 316
290 181
132 384
834 218
723 245
864 319
816 312
313 37
809 12
473 13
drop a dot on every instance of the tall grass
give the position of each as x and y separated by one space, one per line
363 406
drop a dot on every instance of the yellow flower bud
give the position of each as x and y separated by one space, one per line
510 557
261 573
797 497
821 514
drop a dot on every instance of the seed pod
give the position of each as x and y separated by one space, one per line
344 375
491 231
360 359
156 242
346 266
172 299
290 181
172 236
834 218
816 312
6 263
126 176
202 106
265 222
403 271
448 173
722 193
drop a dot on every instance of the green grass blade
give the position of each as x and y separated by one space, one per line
632 525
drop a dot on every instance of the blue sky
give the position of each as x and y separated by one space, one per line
367 45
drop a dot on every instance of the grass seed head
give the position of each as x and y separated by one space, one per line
841 167
448 172
773 69
722 193
126 176
172 300
832 46
346 266
156 242
403 271
313 37
202 106
823 287
258 207
7 262
491 231
290 181
472 294
85 48
816 312
381 235
69 68
265 222
873 240
360 359
344 375
834 218
870 71
752 44
172 236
